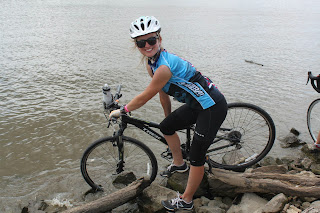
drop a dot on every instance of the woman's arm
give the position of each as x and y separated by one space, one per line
164 98
165 102
159 79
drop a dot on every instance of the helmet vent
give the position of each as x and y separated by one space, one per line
149 22
142 26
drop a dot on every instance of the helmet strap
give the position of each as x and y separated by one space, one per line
154 58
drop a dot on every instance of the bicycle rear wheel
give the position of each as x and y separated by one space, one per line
313 119
245 137
102 168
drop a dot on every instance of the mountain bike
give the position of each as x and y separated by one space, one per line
313 113
245 137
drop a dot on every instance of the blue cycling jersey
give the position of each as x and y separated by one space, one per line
187 85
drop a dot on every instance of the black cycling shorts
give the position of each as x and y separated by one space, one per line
207 122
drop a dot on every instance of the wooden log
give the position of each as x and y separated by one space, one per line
113 200
289 184
252 62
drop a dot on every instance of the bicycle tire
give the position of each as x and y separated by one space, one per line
313 119
248 134
100 159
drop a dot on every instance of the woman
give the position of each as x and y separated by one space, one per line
204 105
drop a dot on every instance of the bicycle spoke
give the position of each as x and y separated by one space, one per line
249 137
101 166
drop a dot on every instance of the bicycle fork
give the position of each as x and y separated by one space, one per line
120 164
119 144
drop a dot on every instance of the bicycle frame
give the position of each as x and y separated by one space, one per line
146 126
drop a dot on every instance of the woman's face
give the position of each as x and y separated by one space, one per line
149 50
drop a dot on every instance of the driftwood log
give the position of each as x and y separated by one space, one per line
113 200
289 184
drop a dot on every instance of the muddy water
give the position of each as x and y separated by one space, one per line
56 55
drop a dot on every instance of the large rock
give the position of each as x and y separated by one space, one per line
315 168
150 200
219 188
311 153
178 182
217 205
250 202
276 204
291 140
208 209
315 205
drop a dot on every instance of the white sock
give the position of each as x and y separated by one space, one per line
180 165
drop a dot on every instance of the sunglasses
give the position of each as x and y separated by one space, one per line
151 41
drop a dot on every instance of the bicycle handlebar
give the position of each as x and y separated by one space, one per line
118 94
314 78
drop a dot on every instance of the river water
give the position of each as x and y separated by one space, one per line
56 55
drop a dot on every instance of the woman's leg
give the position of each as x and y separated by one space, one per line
195 177
207 126
178 119
174 145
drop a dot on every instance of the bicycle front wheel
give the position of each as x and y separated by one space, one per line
313 119
105 166
245 137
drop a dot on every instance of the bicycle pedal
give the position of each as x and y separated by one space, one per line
167 155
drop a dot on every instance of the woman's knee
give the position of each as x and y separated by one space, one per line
166 129
198 152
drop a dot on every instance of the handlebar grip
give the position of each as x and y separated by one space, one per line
118 88
118 95
313 79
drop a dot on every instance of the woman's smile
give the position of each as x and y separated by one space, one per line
149 50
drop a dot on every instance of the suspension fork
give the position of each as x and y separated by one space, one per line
119 139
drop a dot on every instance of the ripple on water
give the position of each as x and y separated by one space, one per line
56 55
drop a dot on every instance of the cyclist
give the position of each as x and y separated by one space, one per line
316 86
204 105
317 143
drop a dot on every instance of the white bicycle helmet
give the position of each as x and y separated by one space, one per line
144 25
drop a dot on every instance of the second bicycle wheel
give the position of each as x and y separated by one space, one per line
245 137
313 119
102 168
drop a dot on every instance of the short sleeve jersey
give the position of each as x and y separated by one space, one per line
181 86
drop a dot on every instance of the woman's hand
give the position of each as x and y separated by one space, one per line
115 114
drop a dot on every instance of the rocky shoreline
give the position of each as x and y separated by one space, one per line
215 197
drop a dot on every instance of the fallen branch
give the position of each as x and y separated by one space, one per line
252 62
113 200
289 184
